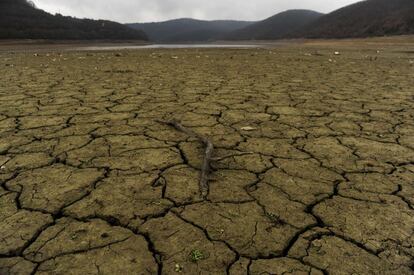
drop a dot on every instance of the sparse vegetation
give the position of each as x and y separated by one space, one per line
196 255
92 183
274 219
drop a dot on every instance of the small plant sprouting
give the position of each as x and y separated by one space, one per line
196 255
275 219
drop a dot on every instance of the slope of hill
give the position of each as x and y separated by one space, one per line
277 26
364 19
20 19
189 30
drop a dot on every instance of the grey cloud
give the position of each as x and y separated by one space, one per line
159 10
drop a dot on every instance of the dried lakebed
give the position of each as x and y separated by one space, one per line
312 170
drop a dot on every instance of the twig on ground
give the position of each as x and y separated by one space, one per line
205 168
2 165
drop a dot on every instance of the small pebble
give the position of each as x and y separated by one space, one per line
248 128
178 268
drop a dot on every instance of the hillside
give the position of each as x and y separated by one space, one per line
277 26
19 19
189 30
364 19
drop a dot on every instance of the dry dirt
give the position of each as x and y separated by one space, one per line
92 184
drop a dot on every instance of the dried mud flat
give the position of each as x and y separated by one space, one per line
92 183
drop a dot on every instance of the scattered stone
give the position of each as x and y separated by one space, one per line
178 268
313 165
248 128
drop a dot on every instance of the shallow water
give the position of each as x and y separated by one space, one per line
171 46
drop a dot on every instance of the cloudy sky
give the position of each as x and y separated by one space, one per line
128 11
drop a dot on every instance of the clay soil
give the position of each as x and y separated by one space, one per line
312 172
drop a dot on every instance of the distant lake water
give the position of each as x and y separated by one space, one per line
170 46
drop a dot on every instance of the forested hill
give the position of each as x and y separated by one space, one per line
364 19
20 19
277 26
189 30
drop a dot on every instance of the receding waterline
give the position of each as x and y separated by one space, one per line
170 46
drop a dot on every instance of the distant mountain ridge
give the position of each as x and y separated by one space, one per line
189 30
20 19
364 19
277 26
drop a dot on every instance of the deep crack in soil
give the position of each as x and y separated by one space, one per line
312 170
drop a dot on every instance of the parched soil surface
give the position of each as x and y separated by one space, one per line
312 172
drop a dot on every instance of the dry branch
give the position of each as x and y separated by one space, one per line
205 168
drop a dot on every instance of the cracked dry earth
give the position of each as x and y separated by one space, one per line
91 183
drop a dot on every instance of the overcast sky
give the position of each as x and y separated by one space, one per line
128 11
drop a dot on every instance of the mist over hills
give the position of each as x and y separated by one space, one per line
20 19
189 30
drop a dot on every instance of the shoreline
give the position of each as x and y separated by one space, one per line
28 45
